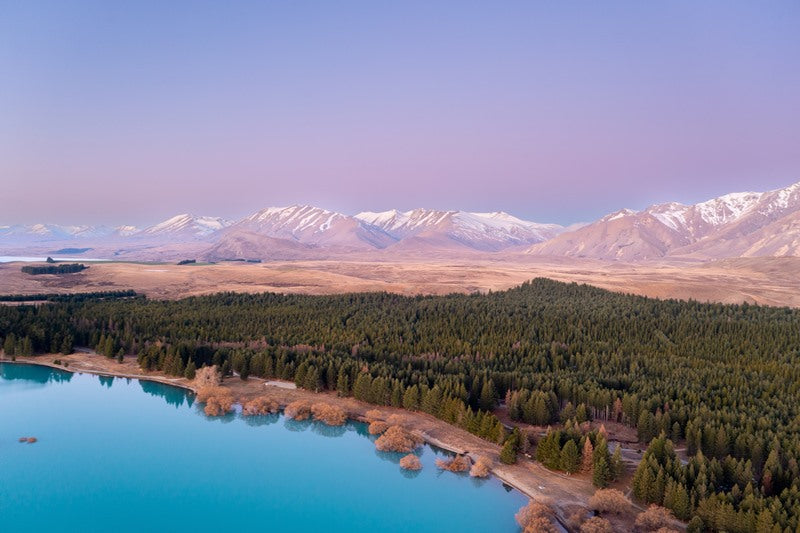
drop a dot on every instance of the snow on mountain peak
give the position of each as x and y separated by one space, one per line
478 230
618 214
187 224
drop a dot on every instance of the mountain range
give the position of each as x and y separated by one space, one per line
746 224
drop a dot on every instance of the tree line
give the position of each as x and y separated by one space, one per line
69 268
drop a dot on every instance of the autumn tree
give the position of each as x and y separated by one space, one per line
654 518
261 405
398 439
331 415
586 456
207 376
459 463
410 462
535 517
483 465
609 501
298 410
597 524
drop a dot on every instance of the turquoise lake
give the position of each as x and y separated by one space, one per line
120 455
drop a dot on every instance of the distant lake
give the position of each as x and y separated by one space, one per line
32 259
122 455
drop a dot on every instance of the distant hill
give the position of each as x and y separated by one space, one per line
748 224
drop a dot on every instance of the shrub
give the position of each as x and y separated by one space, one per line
377 427
654 518
410 462
329 414
482 467
398 439
298 410
260 406
576 517
218 400
204 393
597 524
459 463
373 414
219 405
396 420
535 517
609 501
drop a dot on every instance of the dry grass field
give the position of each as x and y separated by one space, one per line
767 281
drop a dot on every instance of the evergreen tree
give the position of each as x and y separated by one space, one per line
508 454
601 473
411 398
488 398
342 384
190 371
66 346
569 457
311 380
9 344
587 463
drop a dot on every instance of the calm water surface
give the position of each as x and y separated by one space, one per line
125 455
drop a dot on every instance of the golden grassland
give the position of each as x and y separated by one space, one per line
766 281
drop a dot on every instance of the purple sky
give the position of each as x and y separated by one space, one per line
129 112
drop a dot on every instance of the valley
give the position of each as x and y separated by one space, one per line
764 281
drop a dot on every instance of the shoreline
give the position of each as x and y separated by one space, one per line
563 494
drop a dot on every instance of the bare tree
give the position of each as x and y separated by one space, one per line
654 518
207 376
597 524
609 501
535 517
459 463
482 467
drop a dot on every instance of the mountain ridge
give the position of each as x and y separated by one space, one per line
744 224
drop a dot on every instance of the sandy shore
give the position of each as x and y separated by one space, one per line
564 493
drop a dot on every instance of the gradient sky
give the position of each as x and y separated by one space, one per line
129 112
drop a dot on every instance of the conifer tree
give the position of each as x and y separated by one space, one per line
342 384
488 398
190 371
9 344
508 454
569 457
601 473
586 456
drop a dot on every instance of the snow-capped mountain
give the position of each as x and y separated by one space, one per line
732 225
51 232
481 231
184 226
125 231
313 225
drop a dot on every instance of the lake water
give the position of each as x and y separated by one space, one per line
40 259
121 455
